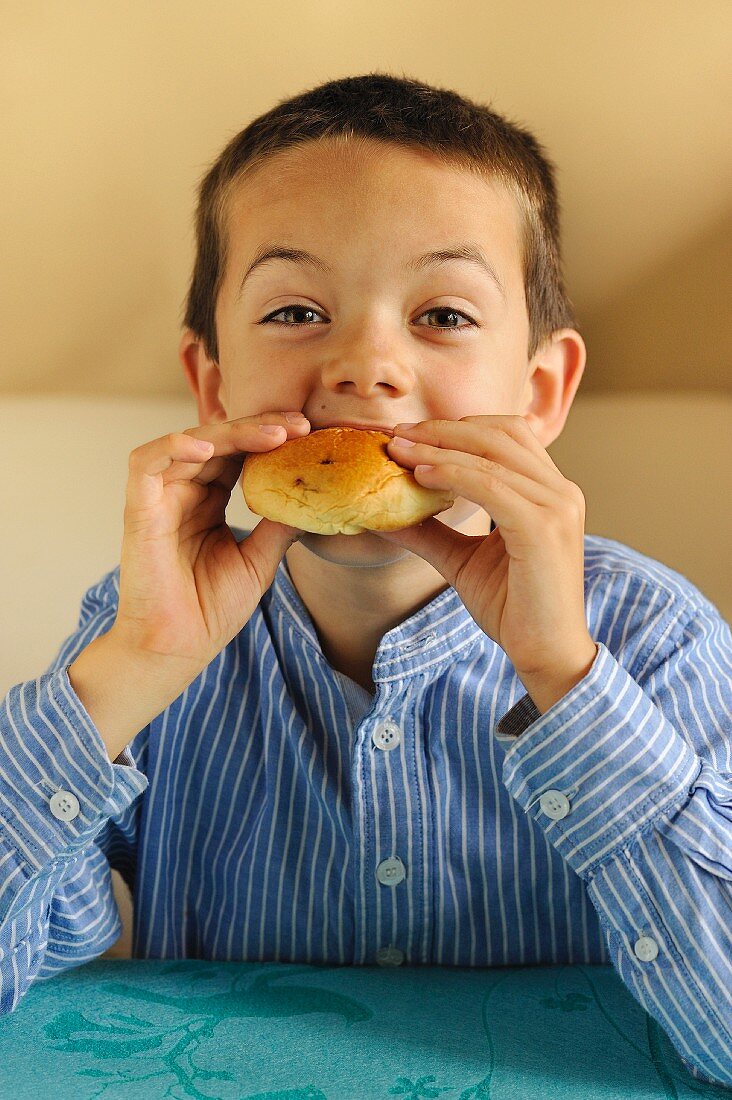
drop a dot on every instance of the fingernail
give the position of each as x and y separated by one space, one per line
405 426
294 416
399 442
271 429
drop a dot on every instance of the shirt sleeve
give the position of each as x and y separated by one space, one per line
58 791
630 778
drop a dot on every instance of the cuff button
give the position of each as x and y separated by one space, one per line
646 949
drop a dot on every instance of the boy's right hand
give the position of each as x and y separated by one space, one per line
186 586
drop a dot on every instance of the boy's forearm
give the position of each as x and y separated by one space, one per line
122 691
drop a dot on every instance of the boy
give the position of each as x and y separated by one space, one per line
334 737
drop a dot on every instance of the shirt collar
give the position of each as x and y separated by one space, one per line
426 642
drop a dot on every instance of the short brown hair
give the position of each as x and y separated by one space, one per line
406 113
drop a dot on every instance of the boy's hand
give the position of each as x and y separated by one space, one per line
186 586
524 583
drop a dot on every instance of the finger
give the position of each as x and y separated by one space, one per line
469 472
506 440
518 430
232 440
147 464
224 471
154 458
197 453
249 434
515 503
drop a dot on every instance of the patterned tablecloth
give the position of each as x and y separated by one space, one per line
242 1031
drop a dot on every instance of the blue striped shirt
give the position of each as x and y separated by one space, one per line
277 811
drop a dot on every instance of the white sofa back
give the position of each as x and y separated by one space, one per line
656 472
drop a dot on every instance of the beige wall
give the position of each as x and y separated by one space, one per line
669 328
111 112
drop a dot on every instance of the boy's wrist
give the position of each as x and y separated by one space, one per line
549 686
123 690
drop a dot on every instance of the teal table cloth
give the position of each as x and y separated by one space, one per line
129 1029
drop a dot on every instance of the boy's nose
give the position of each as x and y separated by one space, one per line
366 367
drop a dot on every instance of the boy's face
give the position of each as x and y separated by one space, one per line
368 334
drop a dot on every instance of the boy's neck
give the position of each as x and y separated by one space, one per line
352 607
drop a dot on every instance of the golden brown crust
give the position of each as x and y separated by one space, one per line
338 481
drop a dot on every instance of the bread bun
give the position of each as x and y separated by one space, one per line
338 481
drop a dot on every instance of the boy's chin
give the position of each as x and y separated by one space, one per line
363 549
368 549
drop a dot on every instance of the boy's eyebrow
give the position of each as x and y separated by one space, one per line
469 252
279 252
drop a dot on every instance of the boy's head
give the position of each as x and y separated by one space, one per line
367 175
412 115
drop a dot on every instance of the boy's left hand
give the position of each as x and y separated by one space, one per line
524 582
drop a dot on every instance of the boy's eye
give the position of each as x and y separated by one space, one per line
301 310
449 317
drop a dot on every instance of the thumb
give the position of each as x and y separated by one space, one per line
442 546
265 547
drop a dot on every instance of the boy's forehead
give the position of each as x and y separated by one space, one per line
381 180
367 166
321 159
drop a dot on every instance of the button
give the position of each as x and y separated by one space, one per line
387 735
64 805
555 805
646 949
390 872
389 956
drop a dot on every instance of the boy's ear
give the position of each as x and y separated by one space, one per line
204 378
554 374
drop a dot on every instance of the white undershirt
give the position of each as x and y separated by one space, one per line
358 700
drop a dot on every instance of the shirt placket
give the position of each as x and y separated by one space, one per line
390 908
